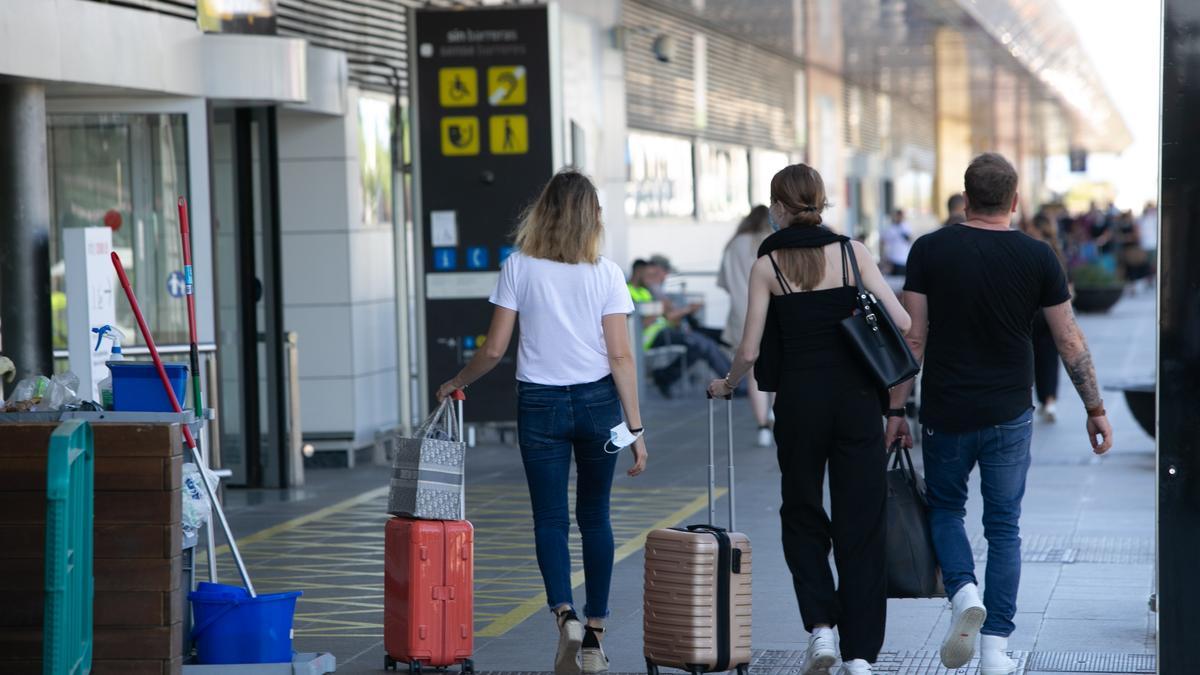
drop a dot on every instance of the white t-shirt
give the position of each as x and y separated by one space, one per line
559 307
897 240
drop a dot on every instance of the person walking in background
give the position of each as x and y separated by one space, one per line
827 412
972 290
575 378
1045 352
897 240
734 277
954 206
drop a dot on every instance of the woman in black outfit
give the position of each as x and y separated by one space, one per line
827 411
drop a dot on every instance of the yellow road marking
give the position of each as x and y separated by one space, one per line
538 602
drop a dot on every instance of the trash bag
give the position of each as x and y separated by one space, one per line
427 473
196 506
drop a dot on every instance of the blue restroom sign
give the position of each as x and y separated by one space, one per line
477 258
176 284
506 251
445 259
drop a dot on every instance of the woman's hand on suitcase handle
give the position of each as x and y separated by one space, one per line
639 456
448 387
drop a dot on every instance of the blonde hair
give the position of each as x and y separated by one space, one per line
564 224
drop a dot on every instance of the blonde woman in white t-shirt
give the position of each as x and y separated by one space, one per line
575 378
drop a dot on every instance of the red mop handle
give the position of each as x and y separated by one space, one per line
187 267
141 321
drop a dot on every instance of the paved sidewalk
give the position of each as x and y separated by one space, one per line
1088 528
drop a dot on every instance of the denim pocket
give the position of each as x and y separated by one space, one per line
604 415
535 425
1018 424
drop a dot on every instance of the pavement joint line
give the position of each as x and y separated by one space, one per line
535 604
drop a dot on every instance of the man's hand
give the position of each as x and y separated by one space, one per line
1099 426
639 456
897 428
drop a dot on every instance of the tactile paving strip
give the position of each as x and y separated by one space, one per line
1083 662
1068 549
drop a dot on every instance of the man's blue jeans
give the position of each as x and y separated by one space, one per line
1002 453
552 424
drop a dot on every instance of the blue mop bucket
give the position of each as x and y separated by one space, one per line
232 627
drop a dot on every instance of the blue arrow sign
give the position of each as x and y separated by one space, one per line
477 258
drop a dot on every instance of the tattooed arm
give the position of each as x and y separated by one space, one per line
1072 346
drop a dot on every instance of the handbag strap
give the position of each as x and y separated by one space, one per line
902 459
848 252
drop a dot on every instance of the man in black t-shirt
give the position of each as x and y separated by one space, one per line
972 290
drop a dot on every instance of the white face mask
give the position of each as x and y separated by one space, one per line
620 437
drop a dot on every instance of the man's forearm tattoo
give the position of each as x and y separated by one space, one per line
1083 376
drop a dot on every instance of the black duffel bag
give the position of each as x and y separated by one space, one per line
912 568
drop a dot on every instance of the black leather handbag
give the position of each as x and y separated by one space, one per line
912 567
875 338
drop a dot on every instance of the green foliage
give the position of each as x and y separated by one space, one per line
1093 276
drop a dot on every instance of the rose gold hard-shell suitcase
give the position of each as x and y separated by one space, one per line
697 592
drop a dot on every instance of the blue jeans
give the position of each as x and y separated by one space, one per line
553 423
1002 452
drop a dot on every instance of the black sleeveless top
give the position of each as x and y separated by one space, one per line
807 323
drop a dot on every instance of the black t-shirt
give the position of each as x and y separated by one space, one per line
983 289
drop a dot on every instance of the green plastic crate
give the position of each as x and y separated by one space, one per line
67 631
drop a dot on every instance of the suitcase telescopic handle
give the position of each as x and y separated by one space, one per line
459 396
712 454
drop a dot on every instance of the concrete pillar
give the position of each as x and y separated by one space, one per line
952 99
24 228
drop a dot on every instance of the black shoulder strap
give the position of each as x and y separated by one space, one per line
783 284
849 252
845 278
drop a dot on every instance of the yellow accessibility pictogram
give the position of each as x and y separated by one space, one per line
458 87
460 136
509 134
506 85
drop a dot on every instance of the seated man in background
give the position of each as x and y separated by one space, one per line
666 328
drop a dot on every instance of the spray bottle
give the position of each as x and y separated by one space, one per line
115 335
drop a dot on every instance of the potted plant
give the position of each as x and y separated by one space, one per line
1096 288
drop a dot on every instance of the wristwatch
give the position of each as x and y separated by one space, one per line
897 412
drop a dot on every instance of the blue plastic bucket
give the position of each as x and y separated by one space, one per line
232 627
136 386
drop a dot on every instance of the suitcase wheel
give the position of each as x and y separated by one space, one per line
414 667
651 667
389 663
468 666
743 669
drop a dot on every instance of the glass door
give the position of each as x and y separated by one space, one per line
250 345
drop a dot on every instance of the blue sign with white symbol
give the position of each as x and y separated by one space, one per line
445 259
469 342
506 251
477 258
176 285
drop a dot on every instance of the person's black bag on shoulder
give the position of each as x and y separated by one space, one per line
912 569
875 338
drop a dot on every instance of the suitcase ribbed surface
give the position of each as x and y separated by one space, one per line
680 624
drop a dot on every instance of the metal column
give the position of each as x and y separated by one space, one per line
24 229
1179 343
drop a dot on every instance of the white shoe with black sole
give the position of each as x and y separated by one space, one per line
967 618
821 654
570 637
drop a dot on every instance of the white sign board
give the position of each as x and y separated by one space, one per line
91 302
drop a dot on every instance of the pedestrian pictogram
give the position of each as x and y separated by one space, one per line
460 136
506 85
458 87
509 134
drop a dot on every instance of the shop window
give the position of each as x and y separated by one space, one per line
724 181
375 159
660 182
123 172
764 164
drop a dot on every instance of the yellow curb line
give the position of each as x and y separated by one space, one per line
537 603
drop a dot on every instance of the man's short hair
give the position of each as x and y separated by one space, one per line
990 183
955 203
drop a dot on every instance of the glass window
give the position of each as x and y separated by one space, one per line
660 182
126 172
375 159
764 164
724 183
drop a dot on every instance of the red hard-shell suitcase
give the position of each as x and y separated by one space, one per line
427 601
428 590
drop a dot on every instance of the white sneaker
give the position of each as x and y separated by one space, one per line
592 660
570 636
855 667
821 653
994 656
967 619
1050 413
765 437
